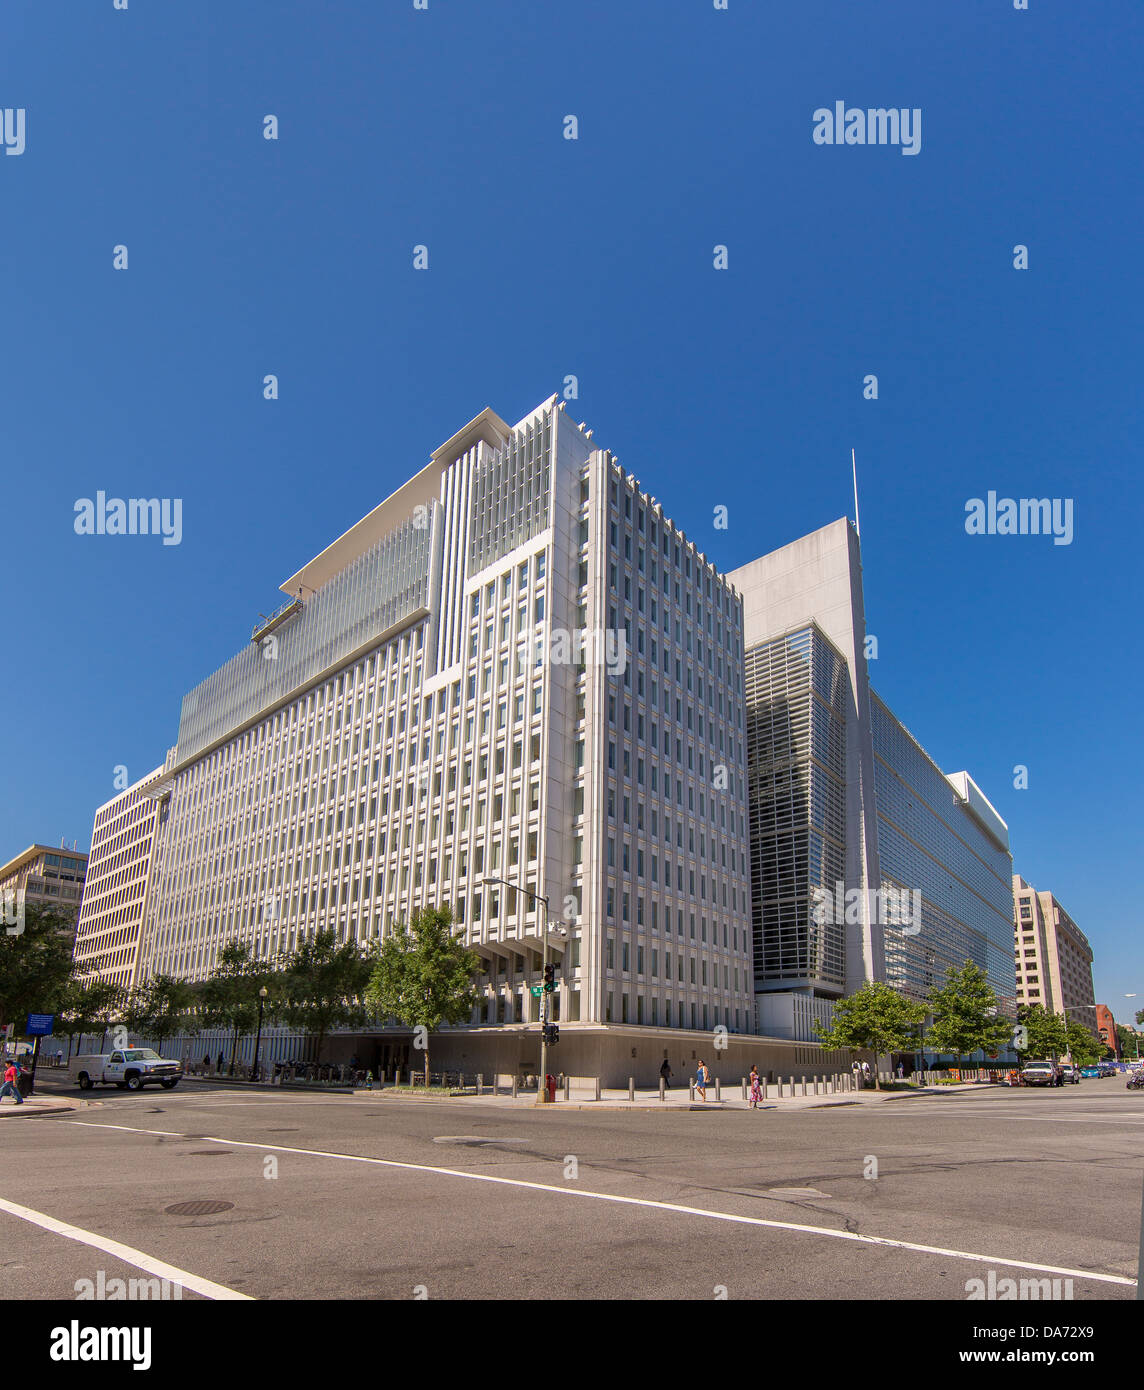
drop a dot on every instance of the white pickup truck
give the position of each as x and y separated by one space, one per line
130 1067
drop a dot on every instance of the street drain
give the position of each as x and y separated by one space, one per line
197 1208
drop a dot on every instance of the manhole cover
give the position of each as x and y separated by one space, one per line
197 1208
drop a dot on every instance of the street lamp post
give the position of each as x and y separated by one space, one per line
262 993
542 922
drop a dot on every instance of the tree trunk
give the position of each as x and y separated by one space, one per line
233 1050
427 1067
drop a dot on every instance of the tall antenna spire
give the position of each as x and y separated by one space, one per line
854 469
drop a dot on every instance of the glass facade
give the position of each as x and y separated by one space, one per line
797 695
929 842
384 585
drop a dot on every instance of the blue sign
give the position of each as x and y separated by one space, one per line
39 1025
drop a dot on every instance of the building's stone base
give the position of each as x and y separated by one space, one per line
613 1052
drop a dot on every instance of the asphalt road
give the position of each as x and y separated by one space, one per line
368 1198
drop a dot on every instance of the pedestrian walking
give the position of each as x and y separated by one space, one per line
665 1074
220 1063
756 1088
9 1087
901 1070
866 1073
701 1079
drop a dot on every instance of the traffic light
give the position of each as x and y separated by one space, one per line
551 1034
549 978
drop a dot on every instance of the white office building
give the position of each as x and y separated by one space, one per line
516 667
118 896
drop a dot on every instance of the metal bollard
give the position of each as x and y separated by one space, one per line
718 1093
763 1086
744 1088
480 1083
515 1084
631 1088
597 1088
567 1088
662 1089
691 1090
804 1086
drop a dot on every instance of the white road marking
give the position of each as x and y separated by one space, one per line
825 1231
1044 1117
126 1253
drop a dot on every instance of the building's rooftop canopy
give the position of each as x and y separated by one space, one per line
420 490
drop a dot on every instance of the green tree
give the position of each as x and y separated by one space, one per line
323 985
876 1018
1129 1042
1083 1047
1046 1035
86 1006
423 974
159 1009
965 1017
228 997
35 965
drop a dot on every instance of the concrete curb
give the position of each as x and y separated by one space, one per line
31 1108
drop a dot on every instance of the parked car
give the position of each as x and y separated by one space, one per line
1089 1072
1107 1069
1070 1073
130 1067
1041 1074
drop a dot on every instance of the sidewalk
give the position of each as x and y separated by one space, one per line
678 1098
40 1105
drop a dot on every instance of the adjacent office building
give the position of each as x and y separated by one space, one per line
516 667
126 843
46 876
868 861
1053 957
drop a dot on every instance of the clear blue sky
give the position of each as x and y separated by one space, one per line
593 257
